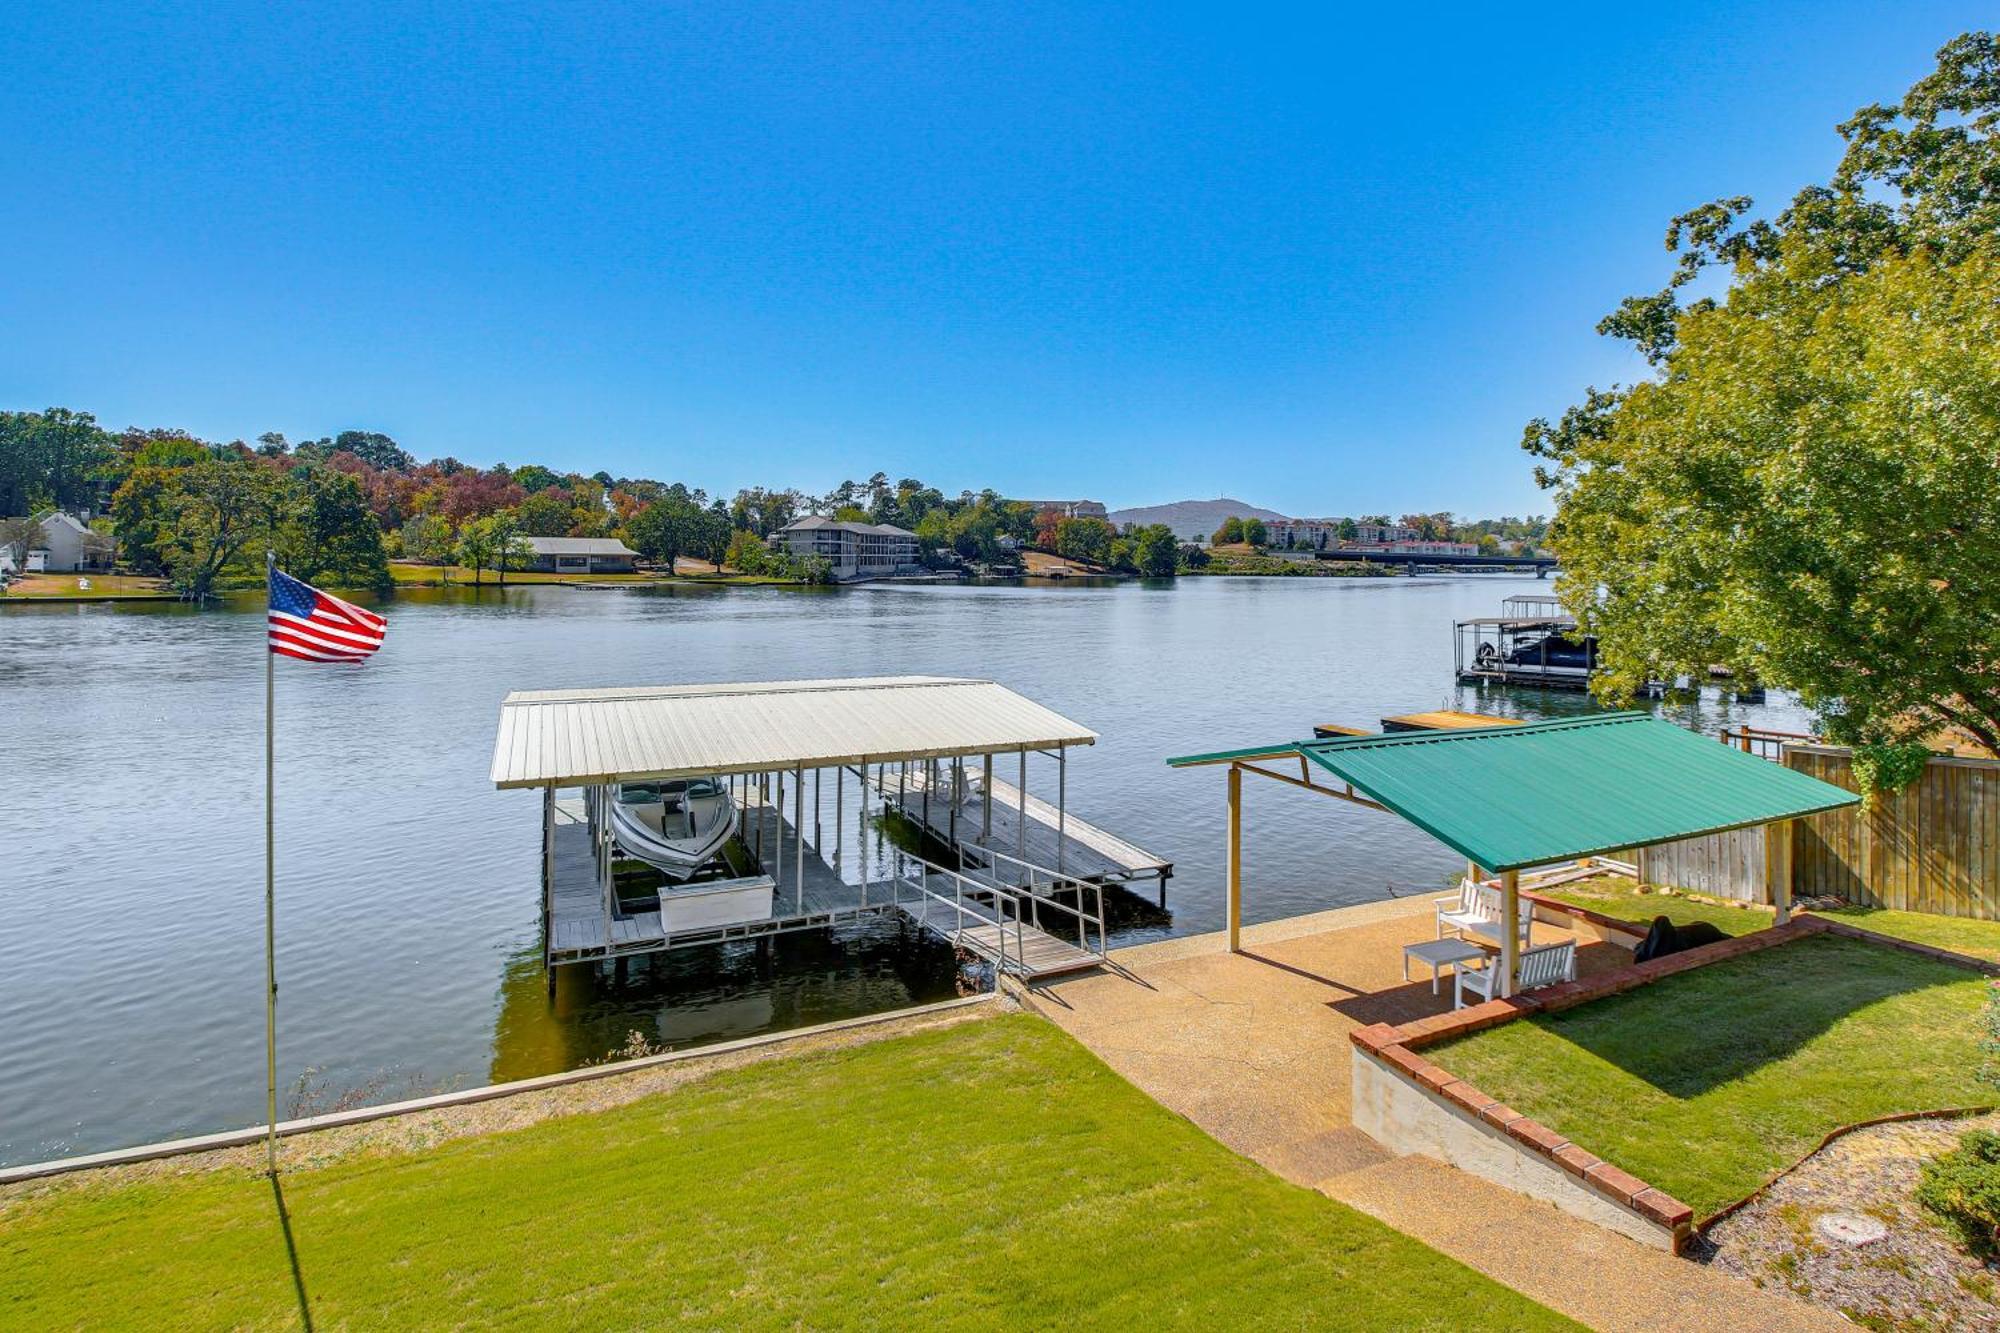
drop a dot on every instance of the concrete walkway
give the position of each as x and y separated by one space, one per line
1253 1047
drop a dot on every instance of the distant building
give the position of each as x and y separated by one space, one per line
1301 534
579 555
1377 534
1072 508
855 550
66 546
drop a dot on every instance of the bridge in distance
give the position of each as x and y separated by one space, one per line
1541 564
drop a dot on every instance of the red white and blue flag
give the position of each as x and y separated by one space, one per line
319 627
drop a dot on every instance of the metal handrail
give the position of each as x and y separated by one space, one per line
1056 880
1763 742
1003 898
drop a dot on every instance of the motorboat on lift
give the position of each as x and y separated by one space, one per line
677 827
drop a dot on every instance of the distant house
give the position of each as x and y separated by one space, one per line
1380 534
1071 508
855 550
579 555
66 546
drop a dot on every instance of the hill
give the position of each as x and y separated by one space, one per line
1192 520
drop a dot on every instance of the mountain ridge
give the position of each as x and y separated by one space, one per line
1192 520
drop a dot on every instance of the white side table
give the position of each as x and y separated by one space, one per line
1439 954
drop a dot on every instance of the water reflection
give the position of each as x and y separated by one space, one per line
695 997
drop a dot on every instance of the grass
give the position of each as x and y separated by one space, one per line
990 1174
63 587
1618 896
1706 1083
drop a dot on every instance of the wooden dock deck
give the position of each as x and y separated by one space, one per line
583 928
1079 848
1039 953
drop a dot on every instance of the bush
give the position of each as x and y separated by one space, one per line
1963 1189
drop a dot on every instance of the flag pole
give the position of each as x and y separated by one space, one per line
270 891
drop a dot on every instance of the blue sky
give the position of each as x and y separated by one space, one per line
1327 261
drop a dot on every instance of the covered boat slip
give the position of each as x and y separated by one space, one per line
997 834
809 767
1515 798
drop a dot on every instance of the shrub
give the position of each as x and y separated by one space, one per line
1963 1189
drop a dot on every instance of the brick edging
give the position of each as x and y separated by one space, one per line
1600 920
1398 1047
1930 951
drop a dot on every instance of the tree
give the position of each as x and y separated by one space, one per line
1085 539
477 547
213 511
545 513
716 532
1229 533
510 544
429 539
53 457
1349 530
1254 532
534 478
18 536
323 531
1155 551
1807 492
375 449
669 528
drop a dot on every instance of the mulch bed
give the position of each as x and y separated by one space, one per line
1912 1276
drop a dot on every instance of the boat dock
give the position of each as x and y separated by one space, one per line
808 769
1528 643
1008 838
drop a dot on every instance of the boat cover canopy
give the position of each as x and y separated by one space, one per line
1517 796
569 738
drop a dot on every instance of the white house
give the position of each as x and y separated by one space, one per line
855 550
66 546
579 555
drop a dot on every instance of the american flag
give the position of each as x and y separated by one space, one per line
318 626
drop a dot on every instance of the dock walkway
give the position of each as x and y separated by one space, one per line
583 927
1080 849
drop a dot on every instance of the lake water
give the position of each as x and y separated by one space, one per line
131 825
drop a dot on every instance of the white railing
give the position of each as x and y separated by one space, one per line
1007 911
1028 882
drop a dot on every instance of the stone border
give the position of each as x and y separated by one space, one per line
239 1138
1827 1141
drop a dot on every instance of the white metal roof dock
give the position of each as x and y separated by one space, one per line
566 738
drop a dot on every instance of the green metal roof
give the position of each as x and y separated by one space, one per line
1512 797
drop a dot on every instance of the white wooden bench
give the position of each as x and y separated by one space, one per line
1475 908
1544 966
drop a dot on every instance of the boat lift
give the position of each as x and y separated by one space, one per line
798 861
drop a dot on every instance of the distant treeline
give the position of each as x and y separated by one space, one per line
337 509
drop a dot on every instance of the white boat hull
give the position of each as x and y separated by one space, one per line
707 820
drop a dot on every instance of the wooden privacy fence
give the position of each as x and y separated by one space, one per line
1932 847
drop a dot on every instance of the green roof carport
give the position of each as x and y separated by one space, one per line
1508 798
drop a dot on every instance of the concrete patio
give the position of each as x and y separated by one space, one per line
1254 1048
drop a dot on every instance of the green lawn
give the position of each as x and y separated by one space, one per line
1617 896
1707 1082
984 1175
1977 939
